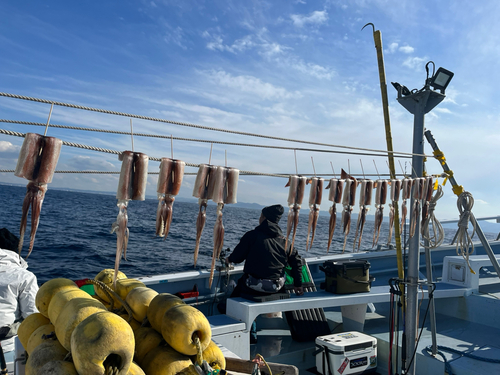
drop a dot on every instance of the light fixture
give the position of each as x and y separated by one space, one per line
441 79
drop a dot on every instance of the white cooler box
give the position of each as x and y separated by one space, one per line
346 353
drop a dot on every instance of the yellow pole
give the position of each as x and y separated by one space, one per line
377 37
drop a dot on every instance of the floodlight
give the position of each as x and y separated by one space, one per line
441 79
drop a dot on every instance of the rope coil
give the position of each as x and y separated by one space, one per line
431 221
465 246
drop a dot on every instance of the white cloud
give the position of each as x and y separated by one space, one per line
176 37
316 18
442 110
406 49
8 147
80 162
217 43
392 47
251 85
415 62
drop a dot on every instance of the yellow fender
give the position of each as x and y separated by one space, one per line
57 368
38 337
47 291
163 360
106 277
181 324
74 312
134 324
159 306
103 339
29 325
139 299
50 350
124 286
146 339
213 356
135 370
60 299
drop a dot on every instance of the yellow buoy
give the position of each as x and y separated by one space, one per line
181 325
74 312
29 325
124 286
39 336
60 299
146 339
101 341
106 277
135 370
57 368
213 356
134 324
47 291
159 306
139 299
163 360
50 350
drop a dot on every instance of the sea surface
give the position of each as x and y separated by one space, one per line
73 239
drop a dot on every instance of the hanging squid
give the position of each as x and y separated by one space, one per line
348 202
418 190
224 192
131 186
297 186
37 162
315 196
427 192
202 185
336 188
169 184
406 185
395 192
365 201
380 199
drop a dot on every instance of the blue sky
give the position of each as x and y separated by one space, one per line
295 69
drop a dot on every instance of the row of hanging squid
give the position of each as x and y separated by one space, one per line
39 155
343 191
217 183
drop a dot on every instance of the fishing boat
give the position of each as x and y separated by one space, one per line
455 298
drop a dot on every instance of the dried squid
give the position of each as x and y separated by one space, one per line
297 186
336 187
201 190
395 192
365 200
315 196
380 199
37 162
406 185
348 202
224 192
418 191
169 184
131 186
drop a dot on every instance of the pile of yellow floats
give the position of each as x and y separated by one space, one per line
75 333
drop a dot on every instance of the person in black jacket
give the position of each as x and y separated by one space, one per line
263 250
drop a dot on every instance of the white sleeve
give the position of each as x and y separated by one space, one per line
27 296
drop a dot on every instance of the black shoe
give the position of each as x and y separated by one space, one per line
253 340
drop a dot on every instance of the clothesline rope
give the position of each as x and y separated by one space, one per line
22 97
193 139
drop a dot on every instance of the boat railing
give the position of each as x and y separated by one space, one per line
451 221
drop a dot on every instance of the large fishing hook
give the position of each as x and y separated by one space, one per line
369 23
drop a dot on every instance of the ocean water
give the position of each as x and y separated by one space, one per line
73 239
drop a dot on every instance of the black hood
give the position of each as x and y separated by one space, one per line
270 228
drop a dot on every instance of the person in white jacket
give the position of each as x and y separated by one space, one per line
18 288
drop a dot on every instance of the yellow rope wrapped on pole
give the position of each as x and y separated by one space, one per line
377 37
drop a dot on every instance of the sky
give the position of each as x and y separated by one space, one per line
299 69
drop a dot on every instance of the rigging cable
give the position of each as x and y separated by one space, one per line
194 139
14 96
